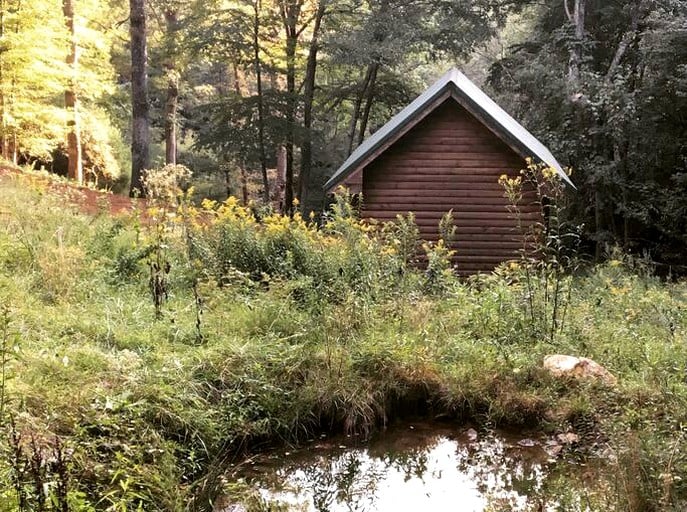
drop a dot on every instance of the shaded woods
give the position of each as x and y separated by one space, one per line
229 82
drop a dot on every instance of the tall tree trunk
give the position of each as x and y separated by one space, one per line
577 18
620 159
309 95
379 35
261 108
227 179
368 102
237 76
171 121
140 136
290 13
244 184
3 135
172 88
74 155
243 175
356 109
11 141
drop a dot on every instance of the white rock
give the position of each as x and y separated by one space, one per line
568 438
579 367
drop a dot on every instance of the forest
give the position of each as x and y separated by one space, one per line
180 299
220 86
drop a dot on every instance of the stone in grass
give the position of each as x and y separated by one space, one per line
225 504
568 438
578 367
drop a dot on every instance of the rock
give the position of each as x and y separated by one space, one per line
578 367
527 443
472 434
568 438
225 505
554 450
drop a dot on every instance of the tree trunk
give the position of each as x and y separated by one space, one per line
172 89
379 35
290 12
309 94
577 18
598 219
280 178
244 184
171 121
227 180
3 135
74 155
356 110
140 137
9 102
368 102
13 148
261 107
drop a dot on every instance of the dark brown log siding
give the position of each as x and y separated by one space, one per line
451 161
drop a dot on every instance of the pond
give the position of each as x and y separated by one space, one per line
420 466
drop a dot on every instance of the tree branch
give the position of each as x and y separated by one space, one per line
625 42
567 11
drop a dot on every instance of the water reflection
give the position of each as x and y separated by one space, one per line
418 468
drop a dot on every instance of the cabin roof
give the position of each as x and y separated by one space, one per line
471 97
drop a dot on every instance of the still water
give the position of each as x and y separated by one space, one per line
413 467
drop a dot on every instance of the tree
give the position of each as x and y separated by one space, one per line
237 35
290 12
308 100
171 103
33 74
140 137
74 156
611 103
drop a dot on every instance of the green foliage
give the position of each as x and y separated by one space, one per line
629 162
308 331
549 252
34 76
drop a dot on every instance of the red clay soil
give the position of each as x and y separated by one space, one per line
86 199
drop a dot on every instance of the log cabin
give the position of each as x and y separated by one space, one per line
446 151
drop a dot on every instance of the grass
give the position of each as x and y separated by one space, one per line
329 331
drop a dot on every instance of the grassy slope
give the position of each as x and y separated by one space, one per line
151 412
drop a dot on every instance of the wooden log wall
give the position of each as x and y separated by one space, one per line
450 160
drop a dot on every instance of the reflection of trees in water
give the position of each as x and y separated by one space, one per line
501 473
412 463
353 480
350 479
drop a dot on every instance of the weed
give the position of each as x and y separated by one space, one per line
279 330
548 256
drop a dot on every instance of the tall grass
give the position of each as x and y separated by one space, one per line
305 329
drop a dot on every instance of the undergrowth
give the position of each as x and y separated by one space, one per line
273 329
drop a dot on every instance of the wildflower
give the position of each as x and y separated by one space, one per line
549 173
208 204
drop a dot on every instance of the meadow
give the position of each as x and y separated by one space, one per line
142 352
